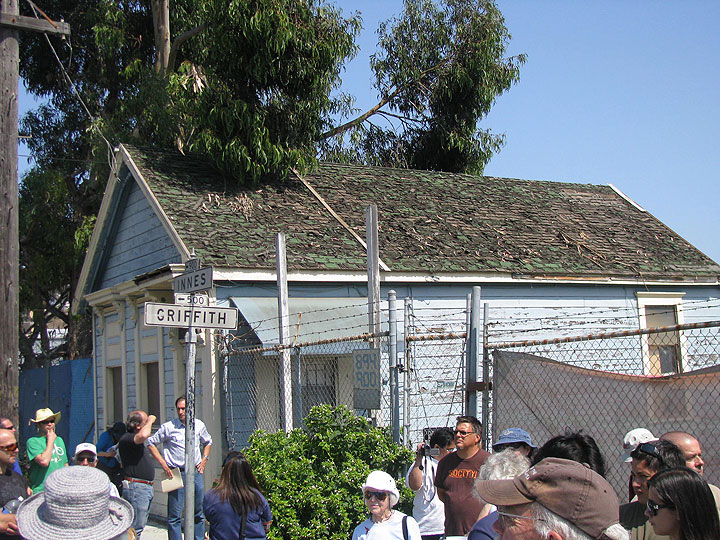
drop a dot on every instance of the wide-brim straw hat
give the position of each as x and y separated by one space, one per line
45 414
76 504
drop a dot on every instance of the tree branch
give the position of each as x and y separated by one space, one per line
384 101
182 38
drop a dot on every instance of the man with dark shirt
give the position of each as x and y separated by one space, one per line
456 474
138 467
12 486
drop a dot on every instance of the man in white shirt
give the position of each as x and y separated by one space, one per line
172 436
428 509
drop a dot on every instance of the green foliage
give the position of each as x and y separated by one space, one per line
255 91
312 477
439 70
254 86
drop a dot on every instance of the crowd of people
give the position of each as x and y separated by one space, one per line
520 491
557 491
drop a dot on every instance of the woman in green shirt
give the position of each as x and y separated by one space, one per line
46 451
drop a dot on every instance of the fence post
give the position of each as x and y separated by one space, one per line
406 367
473 352
486 381
284 333
392 346
373 269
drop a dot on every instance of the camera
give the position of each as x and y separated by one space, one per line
427 451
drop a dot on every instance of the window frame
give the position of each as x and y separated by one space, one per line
655 299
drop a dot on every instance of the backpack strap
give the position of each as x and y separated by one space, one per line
405 529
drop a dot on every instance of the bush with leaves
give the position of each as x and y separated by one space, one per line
312 476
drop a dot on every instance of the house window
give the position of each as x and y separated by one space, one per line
151 387
318 382
114 401
662 351
663 347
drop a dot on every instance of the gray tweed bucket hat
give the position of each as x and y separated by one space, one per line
76 504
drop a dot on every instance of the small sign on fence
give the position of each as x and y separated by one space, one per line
366 368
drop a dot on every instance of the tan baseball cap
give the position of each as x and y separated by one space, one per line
567 488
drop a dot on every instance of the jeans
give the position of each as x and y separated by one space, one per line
139 496
176 503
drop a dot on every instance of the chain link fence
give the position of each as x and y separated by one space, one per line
435 367
606 384
273 387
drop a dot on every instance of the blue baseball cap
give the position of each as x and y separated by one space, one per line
514 435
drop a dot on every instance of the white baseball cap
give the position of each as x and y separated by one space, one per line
85 447
632 439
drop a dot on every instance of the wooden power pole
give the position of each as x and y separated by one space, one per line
10 25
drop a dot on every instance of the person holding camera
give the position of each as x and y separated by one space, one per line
428 509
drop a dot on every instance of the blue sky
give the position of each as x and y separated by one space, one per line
621 92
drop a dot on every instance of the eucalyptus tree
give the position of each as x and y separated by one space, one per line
255 87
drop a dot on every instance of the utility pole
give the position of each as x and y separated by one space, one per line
10 25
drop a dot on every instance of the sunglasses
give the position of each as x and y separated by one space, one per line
50 421
10 448
379 495
10 427
88 459
650 450
653 507
463 433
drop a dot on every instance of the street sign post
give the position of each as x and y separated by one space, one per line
190 311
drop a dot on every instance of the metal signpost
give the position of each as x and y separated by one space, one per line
191 311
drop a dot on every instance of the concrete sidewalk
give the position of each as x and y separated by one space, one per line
154 530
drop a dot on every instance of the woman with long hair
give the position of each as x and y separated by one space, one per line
680 505
236 508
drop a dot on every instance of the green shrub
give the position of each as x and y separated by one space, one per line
312 477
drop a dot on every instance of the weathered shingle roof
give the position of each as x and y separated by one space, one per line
429 222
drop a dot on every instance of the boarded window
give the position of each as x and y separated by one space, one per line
114 403
152 388
318 382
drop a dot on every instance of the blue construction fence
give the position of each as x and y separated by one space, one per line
66 388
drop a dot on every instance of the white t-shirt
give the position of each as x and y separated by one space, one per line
387 530
428 509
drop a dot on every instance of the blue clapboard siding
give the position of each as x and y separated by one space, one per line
140 243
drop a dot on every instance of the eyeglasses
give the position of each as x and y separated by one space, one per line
379 495
653 507
10 448
506 518
650 450
88 459
463 433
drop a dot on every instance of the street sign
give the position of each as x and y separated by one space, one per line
366 387
199 280
197 300
192 265
186 316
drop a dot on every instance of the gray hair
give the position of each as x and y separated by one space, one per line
503 465
547 522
